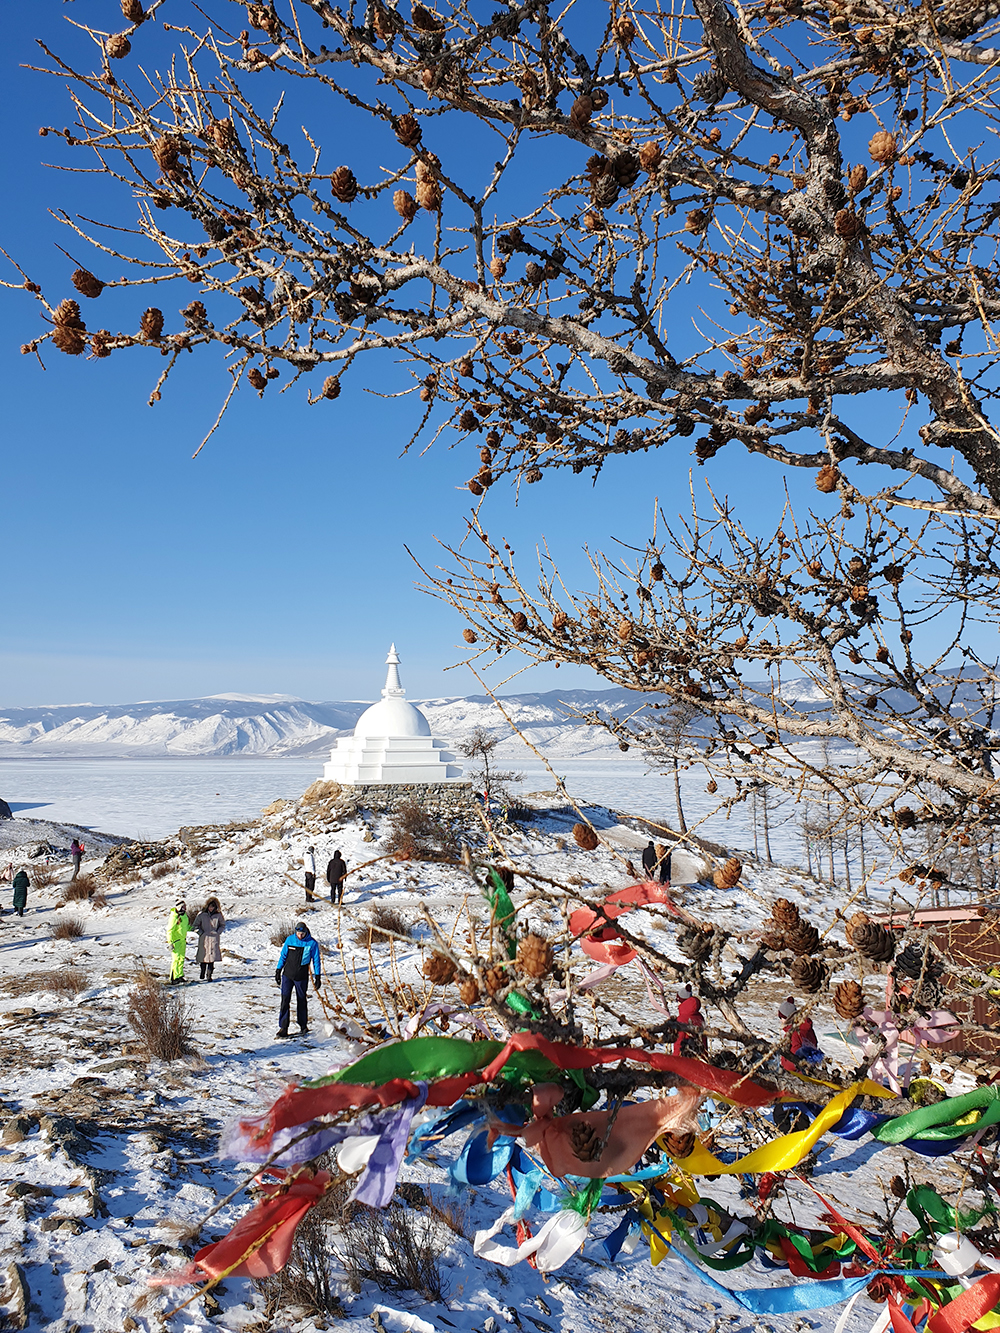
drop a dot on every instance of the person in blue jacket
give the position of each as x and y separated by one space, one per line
298 953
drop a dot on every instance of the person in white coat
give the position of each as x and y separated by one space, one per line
309 865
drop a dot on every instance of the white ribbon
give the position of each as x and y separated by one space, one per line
353 1153
558 1240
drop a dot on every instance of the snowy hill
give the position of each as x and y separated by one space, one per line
228 724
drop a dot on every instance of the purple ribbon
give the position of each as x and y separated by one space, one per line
378 1179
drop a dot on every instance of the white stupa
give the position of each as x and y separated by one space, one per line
392 743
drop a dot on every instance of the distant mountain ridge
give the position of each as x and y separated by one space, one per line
227 724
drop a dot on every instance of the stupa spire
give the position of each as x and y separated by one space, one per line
393 689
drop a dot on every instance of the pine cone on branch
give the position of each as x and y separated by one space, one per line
848 1000
67 315
151 324
534 956
785 914
773 937
678 1146
729 876
809 974
118 46
585 837
910 963
344 185
874 941
468 988
495 979
697 944
586 1141
86 284
439 969
804 939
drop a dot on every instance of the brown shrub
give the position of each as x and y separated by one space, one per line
164 868
384 924
67 928
43 877
281 932
417 835
395 1248
69 980
159 1019
84 886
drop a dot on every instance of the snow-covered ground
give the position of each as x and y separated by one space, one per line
109 1158
152 798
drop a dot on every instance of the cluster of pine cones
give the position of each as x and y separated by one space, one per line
535 957
787 930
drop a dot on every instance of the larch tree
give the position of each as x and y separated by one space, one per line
562 186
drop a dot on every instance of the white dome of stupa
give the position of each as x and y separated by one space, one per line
393 715
392 743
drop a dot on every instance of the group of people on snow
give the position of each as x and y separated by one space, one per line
299 955
209 924
336 875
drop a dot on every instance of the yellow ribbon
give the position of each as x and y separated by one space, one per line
784 1153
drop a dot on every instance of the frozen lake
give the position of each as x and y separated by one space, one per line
152 798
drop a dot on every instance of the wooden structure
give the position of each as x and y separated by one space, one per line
968 937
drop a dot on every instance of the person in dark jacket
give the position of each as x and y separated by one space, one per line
298 953
209 923
76 850
663 859
20 892
336 874
649 860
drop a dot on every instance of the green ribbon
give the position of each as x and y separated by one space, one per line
427 1059
938 1121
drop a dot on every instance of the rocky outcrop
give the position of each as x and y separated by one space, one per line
5 811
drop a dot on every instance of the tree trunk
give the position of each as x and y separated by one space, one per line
681 825
765 798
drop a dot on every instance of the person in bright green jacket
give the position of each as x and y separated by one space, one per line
177 932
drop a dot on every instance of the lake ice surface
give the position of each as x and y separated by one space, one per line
153 798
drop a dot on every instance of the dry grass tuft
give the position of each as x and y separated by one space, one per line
43 877
159 1018
394 1247
84 886
98 901
164 868
384 924
67 928
281 932
70 980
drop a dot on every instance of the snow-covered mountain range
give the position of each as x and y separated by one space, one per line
228 724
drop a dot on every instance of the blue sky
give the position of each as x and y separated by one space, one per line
275 561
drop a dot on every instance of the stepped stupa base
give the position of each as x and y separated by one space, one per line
449 799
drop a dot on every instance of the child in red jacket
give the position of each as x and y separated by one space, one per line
689 1011
803 1036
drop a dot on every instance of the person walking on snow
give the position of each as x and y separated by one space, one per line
20 892
309 866
76 850
803 1043
177 933
336 873
689 1011
663 861
298 953
649 860
209 923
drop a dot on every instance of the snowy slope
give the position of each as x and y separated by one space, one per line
117 1153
